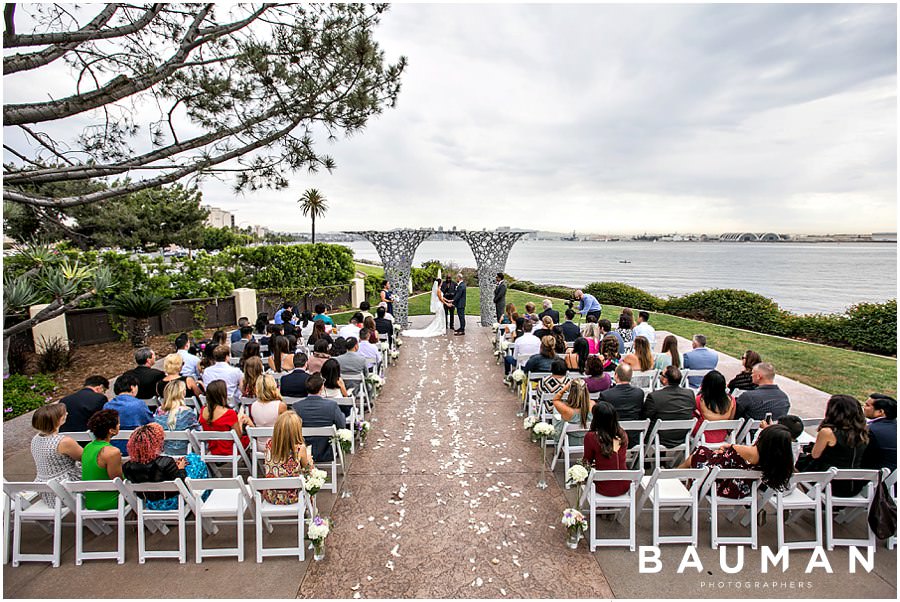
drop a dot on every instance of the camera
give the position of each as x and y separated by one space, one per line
570 303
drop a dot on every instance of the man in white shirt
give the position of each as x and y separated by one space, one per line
643 328
527 344
221 370
352 329
368 349
190 361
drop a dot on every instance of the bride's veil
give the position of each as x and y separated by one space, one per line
435 304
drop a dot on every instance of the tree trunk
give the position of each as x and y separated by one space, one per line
313 229
140 332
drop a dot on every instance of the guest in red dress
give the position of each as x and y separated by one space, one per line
217 416
605 447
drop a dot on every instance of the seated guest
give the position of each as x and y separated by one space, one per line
334 384
626 314
262 321
546 327
609 353
132 411
338 347
793 424
287 455
319 356
368 348
304 326
641 359
744 378
282 358
174 415
364 308
316 410
765 398
771 455
217 416
222 370
606 448
576 409
172 366
286 311
147 375
555 381
576 358
881 411
318 332
273 331
670 356
383 325
251 349
237 334
322 314
508 312
387 314
557 333
840 443
518 326
670 402
371 332
626 399
245 335
82 404
288 327
592 336
293 384
714 403
208 350
596 379
191 361
530 312
625 328
701 358
102 461
146 464
54 454
253 369
643 328
526 345
352 329
549 311
545 357
353 363
269 404
570 329
606 329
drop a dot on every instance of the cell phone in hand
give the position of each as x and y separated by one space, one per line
768 418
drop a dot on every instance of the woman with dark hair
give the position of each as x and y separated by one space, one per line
771 455
842 438
576 358
714 403
251 349
281 360
334 384
626 323
576 409
319 356
670 355
262 320
596 379
605 447
557 333
609 351
339 347
217 416
102 461
369 323
318 332
556 380
253 369
543 360
641 359
744 378
304 326
387 296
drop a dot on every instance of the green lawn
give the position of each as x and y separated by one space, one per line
371 270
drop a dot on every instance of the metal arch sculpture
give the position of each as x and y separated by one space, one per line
397 249
491 250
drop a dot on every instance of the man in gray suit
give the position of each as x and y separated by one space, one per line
459 302
316 410
353 363
500 296
671 402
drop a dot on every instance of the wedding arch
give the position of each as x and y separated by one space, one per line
398 247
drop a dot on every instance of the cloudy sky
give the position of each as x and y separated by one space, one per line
615 119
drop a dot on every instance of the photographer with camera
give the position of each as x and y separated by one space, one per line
588 305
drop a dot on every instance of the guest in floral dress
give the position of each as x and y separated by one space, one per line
771 455
286 456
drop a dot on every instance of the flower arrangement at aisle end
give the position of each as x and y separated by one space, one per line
543 429
575 524
382 346
495 326
529 422
344 438
363 427
518 375
398 341
576 477
317 530
314 480
375 380
395 354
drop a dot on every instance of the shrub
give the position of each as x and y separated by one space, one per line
872 327
625 295
22 394
544 290
730 307
56 355
423 277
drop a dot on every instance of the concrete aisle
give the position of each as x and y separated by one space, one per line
444 500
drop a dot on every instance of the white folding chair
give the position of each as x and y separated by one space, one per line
532 389
805 437
565 449
352 418
748 433
179 436
645 380
890 481
78 489
228 499
751 502
245 402
686 374
676 490
635 455
268 513
597 503
806 491
151 403
656 450
234 361
257 435
732 426
147 517
337 453
861 501
201 441
29 507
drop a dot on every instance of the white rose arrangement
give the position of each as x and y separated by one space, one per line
518 375
529 422
543 429
344 438
314 481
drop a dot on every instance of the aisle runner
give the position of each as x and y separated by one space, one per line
444 502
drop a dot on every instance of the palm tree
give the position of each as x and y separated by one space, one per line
313 204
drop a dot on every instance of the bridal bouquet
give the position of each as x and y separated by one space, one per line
317 530
518 375
314 481
344 438
575 523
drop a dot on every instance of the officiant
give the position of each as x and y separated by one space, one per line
448 289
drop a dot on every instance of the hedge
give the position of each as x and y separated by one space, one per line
546 290
619 293
731 307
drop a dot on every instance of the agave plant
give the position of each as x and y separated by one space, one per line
141 307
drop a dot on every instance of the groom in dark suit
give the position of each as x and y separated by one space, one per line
459 302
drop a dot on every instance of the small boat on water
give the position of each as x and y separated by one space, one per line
624 261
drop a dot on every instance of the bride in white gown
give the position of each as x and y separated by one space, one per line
438 326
